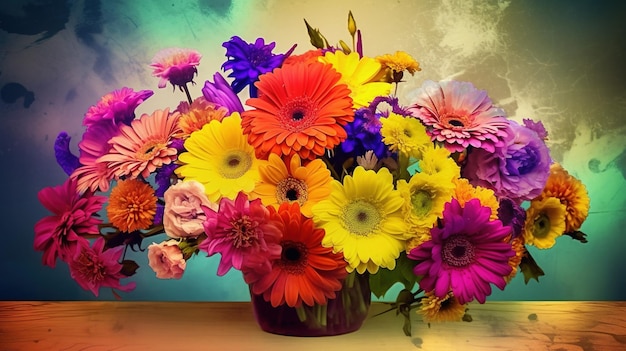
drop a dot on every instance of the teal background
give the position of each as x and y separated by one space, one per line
558 61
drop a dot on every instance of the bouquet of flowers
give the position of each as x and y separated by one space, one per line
318 181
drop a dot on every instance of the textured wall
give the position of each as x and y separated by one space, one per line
560 62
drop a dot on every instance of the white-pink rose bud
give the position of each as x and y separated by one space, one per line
166 260
183 215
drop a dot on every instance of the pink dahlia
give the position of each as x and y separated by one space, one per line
466 253
242 232
59 235
459 115
178 66
144 146
95 267
116 107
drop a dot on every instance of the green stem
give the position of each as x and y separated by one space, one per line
188 94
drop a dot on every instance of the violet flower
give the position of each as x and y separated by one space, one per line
220 93
518 170
68 161
249 61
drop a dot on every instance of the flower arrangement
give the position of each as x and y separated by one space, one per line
319 180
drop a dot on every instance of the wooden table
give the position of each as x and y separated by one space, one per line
564 326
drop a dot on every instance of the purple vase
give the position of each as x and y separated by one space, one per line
341 315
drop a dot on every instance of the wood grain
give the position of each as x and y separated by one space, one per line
562 326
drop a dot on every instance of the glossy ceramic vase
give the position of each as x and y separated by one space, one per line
341 315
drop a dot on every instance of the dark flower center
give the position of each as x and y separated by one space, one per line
292 189
90 270
297 115
294 257
292 194
541 226
233 162
456 123
457 251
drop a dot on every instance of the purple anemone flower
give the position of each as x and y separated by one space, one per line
68 161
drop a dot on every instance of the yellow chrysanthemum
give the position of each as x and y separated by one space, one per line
446 309
464 191
132 205
193 117
571 192
437 161
404 134
424 199
363 219
306 185
545 221
520 250
360 75
219 157
398 62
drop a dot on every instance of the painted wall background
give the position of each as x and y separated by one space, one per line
558 61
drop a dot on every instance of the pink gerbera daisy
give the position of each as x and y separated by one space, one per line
95 267
116 107
241 231
178 66
459 115
92 175
466 253
144 146
59 235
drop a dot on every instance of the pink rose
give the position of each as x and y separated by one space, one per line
166 260
183 214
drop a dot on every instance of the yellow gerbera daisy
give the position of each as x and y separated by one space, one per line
571 192
464 191
446 309
404 134
437 161
545 221
306 185
359 74
424 199
363 219
219 157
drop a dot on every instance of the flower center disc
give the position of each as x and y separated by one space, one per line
422 203
457 251
235 164
541 226
292 189
361 217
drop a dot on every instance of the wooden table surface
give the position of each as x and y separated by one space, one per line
88 325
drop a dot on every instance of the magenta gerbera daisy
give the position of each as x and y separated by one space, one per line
466 253
59 235
116 107
459 115
242 232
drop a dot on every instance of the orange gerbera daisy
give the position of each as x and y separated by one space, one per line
571 192
301 109
306 272
193 117
144 146
132 205
293 182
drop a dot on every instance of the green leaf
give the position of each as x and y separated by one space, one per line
384 279
129 267
578 235
317 39
530 268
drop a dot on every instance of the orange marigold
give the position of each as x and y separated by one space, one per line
132 205
193 117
